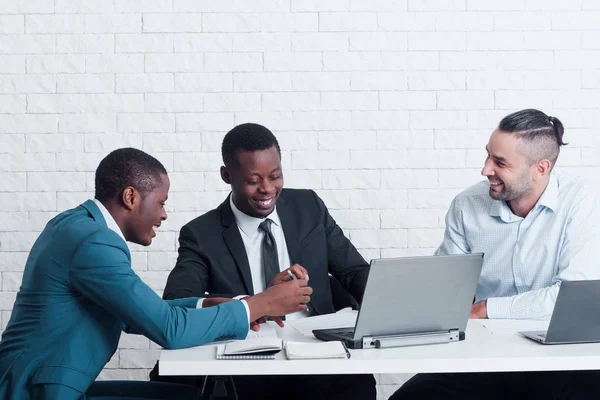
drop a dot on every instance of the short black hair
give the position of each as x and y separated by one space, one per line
542 135
247 137
127 167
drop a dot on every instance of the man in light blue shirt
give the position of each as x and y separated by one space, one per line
536 228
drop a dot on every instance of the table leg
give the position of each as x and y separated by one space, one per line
214 386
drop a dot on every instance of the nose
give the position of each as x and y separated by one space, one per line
488 167
163 215
266 186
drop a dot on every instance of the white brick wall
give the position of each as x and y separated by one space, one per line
382 106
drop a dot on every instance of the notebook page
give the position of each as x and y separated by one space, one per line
342 319
267 330
302 350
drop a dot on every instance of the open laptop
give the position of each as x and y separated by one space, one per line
412 301
575 318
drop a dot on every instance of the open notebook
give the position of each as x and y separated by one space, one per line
321 350
250 349
267 348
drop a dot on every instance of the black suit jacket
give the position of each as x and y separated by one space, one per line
212 257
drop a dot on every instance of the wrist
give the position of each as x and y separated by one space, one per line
214 301
259 306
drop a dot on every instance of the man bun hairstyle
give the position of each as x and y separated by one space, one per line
246 137
541 135
127 167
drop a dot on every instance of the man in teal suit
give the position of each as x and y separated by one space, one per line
79 292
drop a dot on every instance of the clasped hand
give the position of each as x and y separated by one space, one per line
299 273
283 296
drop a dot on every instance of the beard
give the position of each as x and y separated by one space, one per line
515 191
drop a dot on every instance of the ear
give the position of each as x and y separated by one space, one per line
131 198
542 168
225 176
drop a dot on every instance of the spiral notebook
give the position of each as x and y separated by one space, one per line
250 349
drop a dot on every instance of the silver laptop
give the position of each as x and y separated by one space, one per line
575 318
413 301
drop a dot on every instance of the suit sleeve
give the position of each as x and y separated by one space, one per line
190 276
344 262
101 271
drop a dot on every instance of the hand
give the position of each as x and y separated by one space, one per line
286 298
479 310
297 270
255 325
214 301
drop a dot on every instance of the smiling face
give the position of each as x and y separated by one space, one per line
256 181
509 172
147 213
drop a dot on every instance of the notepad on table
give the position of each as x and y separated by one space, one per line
251 349
322 350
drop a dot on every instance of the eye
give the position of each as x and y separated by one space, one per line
275 177
253 182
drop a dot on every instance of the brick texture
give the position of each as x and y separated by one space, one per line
383 107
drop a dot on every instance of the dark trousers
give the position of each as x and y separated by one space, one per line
303 387
133 390
291 387
552 385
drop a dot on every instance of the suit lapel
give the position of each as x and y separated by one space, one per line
290 229
233 240
289 223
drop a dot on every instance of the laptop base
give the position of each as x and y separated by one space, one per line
538 336
346 335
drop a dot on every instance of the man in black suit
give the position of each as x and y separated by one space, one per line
251 241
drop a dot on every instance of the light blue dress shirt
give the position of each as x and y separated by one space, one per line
525 259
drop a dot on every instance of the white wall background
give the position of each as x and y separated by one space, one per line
382 106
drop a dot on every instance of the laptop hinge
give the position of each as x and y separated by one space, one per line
412 339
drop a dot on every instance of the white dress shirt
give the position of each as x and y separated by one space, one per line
252 238
112 225
110 221
525 259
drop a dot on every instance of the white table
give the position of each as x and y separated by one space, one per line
482 351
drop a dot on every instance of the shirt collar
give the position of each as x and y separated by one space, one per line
249 225
549 199
110 221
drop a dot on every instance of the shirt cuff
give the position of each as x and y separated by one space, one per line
201 300
498 307
247 309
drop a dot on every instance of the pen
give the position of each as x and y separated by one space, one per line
346 348
293 278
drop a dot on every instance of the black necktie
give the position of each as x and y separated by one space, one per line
270 259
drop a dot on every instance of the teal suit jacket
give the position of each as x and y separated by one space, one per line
78 293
